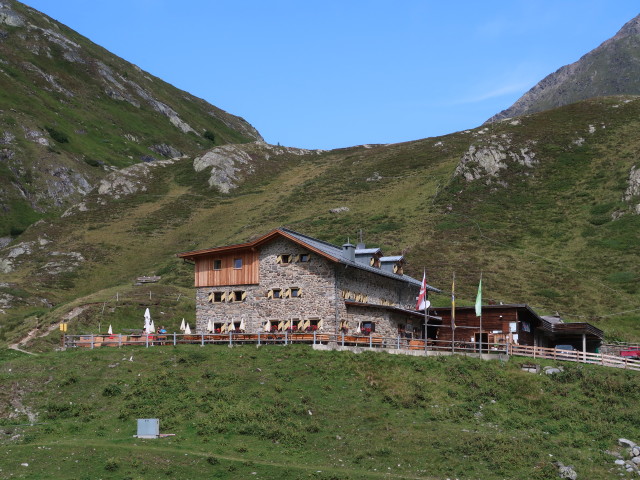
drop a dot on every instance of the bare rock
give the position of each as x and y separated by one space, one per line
166 150
9 17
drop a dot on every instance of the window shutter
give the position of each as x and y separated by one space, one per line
359 297
286 293
299 292
224 297
372 262
244 296
279 259
270 294
345 293
211 297
296 258
365 299
396 268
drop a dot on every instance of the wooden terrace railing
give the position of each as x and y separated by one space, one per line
344 340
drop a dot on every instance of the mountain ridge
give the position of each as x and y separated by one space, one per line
72 112
612 68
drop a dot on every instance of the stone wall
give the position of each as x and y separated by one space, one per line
314 278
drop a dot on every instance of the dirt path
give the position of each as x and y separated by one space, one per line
37 332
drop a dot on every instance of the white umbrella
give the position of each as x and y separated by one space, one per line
152 327
267 326
242 325
147 321
182 327
187 330
110 331
358 330
209 326
223 329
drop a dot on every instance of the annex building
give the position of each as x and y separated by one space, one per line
287 281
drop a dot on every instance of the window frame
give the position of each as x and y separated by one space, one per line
235 263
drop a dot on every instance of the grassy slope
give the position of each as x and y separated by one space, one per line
290 412
94 124
546 238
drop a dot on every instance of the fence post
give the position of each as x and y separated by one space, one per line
343 339
286 337
370 341
146 342
258 338
398 343
314 337
230 339
92 341
119 340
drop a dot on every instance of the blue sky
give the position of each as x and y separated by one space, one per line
336 73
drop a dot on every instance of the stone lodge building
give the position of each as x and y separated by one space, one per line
286 281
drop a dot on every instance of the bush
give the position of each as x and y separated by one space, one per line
57 135
209 135
111 465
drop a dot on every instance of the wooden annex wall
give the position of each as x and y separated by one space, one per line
492 320
206 276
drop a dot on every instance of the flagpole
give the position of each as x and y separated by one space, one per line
426 314
479 307
453 312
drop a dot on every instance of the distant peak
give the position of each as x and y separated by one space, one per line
632 27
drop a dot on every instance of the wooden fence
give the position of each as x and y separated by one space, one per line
364 341
575 356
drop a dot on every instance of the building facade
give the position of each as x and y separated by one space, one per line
286 281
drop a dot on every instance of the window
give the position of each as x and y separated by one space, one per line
217 264
293 292
283 259
237 263
217 297
303 257
368 327
237 296
274 293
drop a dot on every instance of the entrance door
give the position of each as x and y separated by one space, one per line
485 341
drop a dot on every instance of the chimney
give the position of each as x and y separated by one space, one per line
349 251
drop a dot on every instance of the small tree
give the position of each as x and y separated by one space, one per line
209 135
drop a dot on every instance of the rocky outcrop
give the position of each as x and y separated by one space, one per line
486 161
9 17
632 193
230 164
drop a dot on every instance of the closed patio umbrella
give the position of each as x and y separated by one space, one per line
187 330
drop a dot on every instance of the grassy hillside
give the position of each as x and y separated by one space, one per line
70 111
556 234
291 413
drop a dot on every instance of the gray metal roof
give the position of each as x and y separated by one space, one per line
338 253
366 251
395 258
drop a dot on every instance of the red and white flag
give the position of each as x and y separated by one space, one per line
421 304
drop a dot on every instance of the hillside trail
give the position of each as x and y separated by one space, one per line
38 332
145 445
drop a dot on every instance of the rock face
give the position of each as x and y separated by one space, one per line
230 164
486 161
611 69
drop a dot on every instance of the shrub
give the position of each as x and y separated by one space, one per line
57 135
209 135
